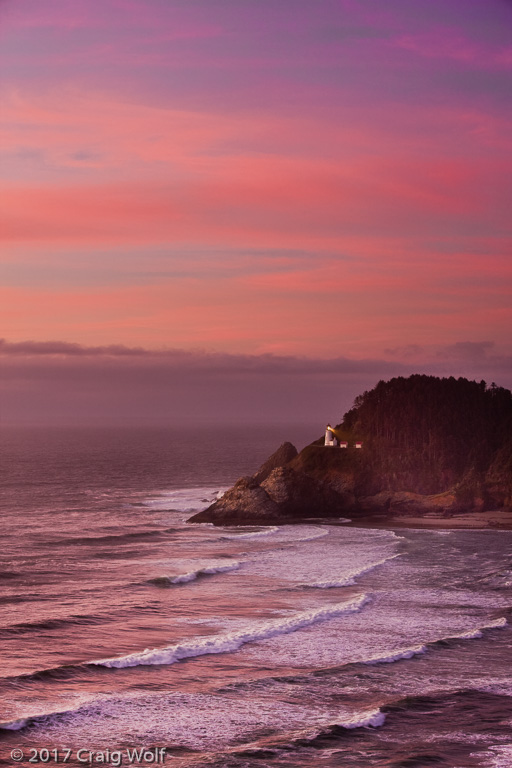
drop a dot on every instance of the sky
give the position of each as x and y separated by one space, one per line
226 210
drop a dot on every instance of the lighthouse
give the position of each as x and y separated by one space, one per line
329 436
333 436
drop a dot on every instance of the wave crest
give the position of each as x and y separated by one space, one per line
184 578
349 578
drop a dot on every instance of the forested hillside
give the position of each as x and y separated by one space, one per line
430 434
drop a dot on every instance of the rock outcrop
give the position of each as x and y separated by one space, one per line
285 453
246 503
289 487
284 496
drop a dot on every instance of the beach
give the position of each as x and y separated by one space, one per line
500 519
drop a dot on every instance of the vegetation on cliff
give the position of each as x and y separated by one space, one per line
427 434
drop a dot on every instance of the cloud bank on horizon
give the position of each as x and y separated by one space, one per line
264 181
64 383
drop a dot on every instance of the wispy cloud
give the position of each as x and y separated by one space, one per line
67 349
469 350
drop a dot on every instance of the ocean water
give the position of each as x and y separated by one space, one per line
124 628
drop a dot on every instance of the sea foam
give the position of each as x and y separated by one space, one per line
498 756
199 720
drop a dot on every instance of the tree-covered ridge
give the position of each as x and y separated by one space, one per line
431 433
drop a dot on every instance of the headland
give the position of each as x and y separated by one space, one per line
420 452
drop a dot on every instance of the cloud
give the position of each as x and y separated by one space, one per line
66 354
67 384
66 348
467 350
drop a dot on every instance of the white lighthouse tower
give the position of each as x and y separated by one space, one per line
329 436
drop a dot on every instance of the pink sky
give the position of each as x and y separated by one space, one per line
325 180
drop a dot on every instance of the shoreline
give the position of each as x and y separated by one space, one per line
491 520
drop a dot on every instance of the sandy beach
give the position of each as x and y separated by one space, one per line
491 519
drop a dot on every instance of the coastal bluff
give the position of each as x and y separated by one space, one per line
431 448
286 491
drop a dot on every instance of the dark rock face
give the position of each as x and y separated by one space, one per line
284 496
246 503
408 503
281 492
284 454
498 481
342 470
300 496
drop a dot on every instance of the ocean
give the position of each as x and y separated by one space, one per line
130 637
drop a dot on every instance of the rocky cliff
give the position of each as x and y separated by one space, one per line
430 446
278 493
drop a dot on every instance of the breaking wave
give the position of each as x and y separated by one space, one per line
287 533
416 650
471 634
348 578
184 578
184 499
15 725
372 718
254 535
497 756
232 641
